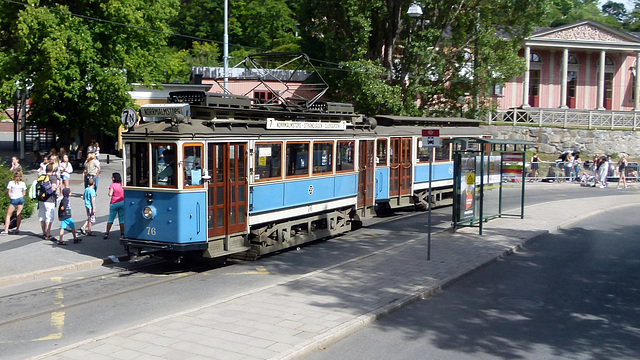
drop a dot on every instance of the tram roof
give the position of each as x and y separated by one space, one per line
389 120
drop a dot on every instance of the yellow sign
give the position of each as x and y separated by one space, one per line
471 179
262 161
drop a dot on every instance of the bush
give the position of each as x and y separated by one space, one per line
29 204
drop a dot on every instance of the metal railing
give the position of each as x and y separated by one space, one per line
558 171
567 118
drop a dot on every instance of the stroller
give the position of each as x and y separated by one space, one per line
587 179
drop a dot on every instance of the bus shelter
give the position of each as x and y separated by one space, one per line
489 180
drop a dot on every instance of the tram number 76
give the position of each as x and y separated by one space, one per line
151 231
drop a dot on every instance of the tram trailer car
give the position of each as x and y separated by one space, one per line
218 175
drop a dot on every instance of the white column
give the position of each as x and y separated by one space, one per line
563 83
601 80
636 98
526 77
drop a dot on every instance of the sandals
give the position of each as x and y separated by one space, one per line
76 240
106 236
62 243
82 231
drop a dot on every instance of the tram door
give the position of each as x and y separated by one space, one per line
227 208
400 178
366 173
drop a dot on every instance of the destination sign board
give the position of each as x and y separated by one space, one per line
156 112
274 124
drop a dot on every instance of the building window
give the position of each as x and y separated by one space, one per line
534 57
496 90
263 97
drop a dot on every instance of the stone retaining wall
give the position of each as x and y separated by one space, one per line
555 140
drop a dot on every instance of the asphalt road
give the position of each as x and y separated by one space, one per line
569 295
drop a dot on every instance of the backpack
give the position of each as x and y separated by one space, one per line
44 189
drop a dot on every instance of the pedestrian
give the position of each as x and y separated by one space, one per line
91 170
42 169
65 171
47 203
17 190
622 169
534 167
568 167
15 165
66 220
116 205
89 197
577 165
603 172
36 151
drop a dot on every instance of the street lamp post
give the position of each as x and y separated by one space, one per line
225 53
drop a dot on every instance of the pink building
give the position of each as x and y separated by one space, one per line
582 66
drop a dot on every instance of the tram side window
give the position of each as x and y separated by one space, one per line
164 165
345 154
322 157
297 158
443 152
192 165
381 152
424 153
137 164
268 161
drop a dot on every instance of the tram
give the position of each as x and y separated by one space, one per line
219 175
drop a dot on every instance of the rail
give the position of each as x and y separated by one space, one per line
558 171
567 118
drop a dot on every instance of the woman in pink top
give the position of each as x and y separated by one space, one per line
116 206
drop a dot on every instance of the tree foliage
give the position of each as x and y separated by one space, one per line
79 57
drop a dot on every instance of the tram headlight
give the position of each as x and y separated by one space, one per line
149 212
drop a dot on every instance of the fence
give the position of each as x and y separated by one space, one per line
554 171
565 118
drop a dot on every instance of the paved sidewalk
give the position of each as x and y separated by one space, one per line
301 313
45 257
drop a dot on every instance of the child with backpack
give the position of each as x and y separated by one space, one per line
66 221
89 197
45 193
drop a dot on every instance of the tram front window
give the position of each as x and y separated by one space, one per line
164 165
137 164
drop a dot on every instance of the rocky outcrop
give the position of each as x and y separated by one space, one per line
588 142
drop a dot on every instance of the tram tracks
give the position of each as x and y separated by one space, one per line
78 292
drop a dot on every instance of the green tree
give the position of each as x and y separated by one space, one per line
79 57
456 49
254 26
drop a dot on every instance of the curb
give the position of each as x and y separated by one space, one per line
32 275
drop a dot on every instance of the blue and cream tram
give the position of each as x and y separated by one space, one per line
219 175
